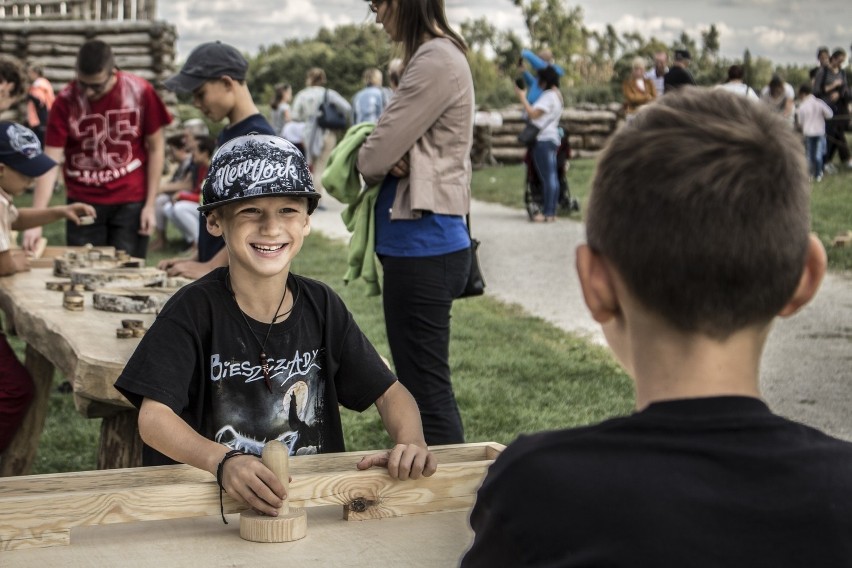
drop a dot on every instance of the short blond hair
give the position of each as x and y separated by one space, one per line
373 77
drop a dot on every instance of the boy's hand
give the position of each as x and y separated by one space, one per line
404 461
147 220
74 211
247 480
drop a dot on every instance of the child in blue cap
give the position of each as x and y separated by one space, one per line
21 161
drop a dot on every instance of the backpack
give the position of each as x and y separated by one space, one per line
330 116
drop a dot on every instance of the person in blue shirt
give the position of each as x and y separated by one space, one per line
369 102
538 62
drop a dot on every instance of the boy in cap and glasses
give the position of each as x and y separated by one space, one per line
21 160
215 75
253 352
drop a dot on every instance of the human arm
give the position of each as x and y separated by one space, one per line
245 478
156 147
191 267
410 458
342 104
28 218
431 83
532 112
41 195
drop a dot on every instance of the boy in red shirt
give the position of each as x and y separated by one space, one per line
107 125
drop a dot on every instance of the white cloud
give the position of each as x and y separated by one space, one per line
782 30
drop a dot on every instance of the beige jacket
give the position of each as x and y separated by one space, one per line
430 118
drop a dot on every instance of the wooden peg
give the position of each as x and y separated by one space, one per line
291 523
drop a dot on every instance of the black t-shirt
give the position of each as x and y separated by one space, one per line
208 245
677 77
696 482
200 359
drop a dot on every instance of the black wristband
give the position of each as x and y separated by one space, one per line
219 469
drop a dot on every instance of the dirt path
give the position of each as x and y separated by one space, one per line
807 367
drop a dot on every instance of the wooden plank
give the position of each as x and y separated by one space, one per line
45 505
420 541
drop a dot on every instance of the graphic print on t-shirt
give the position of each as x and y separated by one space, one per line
106 153
247 415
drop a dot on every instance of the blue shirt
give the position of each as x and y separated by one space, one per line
534 91
368 104
430 235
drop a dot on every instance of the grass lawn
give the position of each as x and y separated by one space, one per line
512 373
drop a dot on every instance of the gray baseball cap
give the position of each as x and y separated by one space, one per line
208 61
257 165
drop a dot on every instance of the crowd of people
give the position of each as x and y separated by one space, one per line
819 109
250 351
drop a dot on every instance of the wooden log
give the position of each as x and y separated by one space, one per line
19 456
73 301
291 523
120 445
146 300
96 278
36 511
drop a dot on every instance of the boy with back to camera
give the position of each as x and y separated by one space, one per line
21 161
251 352
686 267
215 75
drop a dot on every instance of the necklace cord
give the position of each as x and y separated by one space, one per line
264 363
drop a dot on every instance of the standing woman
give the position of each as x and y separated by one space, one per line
420 154
545 114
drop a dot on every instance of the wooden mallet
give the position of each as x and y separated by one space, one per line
291 523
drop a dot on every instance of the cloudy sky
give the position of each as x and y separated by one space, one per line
785 31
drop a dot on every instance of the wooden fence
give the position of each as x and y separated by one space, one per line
588 128
89 10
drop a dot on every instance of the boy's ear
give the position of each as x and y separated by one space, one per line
214 226
598 285
306 230
812 275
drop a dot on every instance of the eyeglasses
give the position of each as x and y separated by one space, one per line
374 5
95 87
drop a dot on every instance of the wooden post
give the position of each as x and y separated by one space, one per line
20 455
120 444
290 524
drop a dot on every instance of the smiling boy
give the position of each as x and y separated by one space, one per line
251 352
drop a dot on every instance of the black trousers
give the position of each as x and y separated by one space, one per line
835 135
418 295
115 225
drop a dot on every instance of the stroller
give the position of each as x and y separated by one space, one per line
533 197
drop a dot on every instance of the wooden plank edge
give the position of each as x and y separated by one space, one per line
26 517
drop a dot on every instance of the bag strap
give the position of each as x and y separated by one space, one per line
467 222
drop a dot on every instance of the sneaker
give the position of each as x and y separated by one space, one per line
830 169
818 179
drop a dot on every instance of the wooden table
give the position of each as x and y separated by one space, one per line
169 516
84 347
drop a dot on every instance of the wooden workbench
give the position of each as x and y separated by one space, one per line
83 346
169 516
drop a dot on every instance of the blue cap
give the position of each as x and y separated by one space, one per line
21 150
257 165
